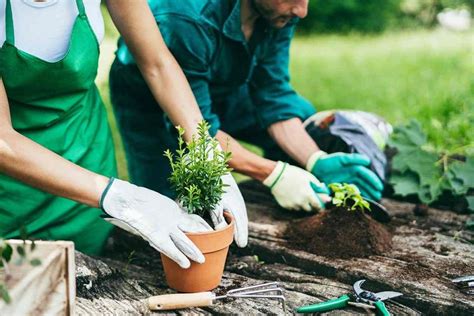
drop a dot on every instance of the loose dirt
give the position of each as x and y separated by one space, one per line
341 234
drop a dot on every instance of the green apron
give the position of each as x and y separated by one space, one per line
57 105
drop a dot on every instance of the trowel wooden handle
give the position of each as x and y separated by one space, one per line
177 301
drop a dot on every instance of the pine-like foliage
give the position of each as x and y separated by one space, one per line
197 168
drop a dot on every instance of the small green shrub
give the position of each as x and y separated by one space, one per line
348 196
197 168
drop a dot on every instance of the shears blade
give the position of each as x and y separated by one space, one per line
373 296
387 295
357 289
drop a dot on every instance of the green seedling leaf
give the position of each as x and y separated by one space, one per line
348 196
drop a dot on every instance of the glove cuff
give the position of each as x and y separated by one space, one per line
107 188
116 198
273 178
313 159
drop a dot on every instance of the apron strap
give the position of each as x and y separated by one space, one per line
10 35
80 8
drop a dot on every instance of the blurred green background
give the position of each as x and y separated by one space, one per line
385 56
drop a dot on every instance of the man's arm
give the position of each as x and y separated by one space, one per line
280 109
292 137
244 161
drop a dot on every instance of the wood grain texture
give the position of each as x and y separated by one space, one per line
427 252
46 289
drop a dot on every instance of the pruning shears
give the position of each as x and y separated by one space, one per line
360 297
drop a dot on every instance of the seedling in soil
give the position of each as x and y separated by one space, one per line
348 196
197 168
345 231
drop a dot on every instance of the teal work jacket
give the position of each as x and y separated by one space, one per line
205 37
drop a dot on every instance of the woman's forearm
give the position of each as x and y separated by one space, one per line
172 92
164 77
33 164
28 162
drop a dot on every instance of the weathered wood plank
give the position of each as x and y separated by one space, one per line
111 287
425 256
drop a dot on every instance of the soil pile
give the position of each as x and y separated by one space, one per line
339 233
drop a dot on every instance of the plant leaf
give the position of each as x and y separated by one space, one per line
405 183
4 295
461 175
6 252
21 251
35 262
470 203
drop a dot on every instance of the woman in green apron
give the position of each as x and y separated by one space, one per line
56 152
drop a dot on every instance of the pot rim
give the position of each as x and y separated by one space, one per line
230 223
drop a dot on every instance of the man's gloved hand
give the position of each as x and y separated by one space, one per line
155 218
233 202
346 168
296 189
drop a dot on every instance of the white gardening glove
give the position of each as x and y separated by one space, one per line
155 218
297 189
233 202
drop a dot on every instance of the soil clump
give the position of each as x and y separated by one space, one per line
339 233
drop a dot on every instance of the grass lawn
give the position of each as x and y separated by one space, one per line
427 75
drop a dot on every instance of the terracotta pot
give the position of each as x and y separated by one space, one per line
206 276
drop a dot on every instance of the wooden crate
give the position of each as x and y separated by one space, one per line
47 289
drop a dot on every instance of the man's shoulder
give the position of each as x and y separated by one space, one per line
195 10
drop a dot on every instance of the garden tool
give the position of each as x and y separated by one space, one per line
465 284
270 290
359 298
378 211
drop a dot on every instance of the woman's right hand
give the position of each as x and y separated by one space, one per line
154 217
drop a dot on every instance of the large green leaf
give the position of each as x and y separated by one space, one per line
410 136
405 183
461 175
417 170
470 203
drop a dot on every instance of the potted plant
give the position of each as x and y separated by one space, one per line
197 168
344 230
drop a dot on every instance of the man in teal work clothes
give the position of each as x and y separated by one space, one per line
235 55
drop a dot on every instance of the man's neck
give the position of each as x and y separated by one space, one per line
248 16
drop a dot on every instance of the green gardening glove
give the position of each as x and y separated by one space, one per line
346 168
